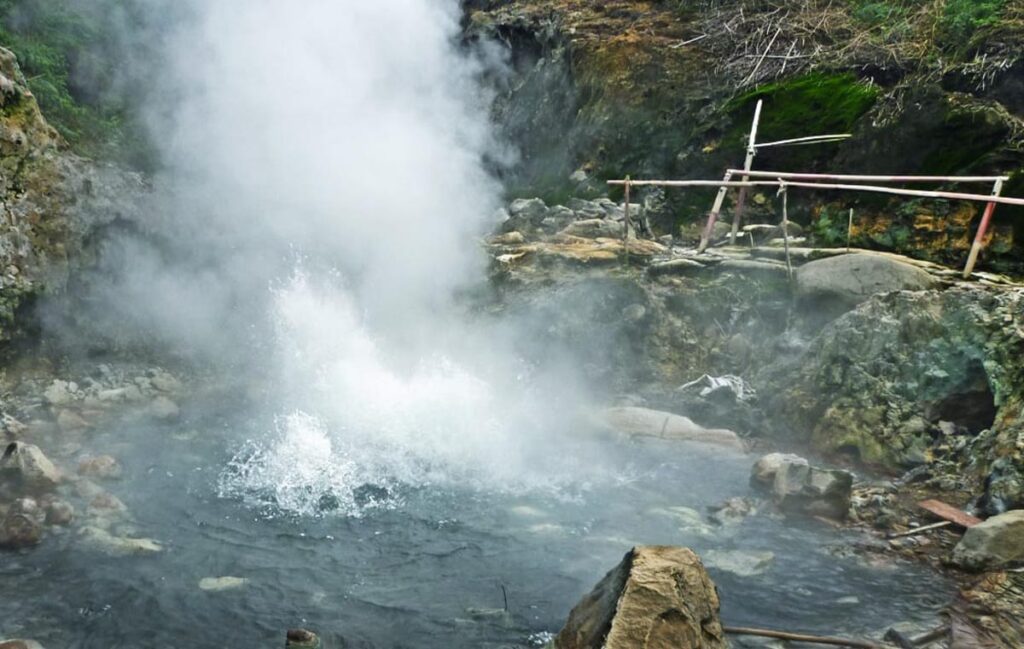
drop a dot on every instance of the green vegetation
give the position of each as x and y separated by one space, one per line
811 104
955 22
69 55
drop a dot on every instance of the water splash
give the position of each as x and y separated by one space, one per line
362 423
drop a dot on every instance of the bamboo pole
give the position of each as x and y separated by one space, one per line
800 637
812 139
897 191
849 230
625 226
716 209
979 238
785 229
788 175
747 165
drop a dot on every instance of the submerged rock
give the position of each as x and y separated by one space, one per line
164 409
104 541
28 469
658 597
742 563
102 467
59 512
22 526
20 644
644 422
996 542
219 584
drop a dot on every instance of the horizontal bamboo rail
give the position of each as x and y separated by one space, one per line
812 139
858 178
898 191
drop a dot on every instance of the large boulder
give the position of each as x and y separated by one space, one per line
658 597
850 279
764 470
800 488
25 466
644 422
996 542
804 489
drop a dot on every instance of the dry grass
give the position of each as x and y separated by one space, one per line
757 41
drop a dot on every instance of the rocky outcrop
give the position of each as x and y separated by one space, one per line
53 203
644 422
912 377
997 542
657 598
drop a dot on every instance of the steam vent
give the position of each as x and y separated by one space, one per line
531 324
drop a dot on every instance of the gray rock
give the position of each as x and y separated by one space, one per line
803 489
657 597
676 267
59 512
594 228
60 393
996 542
763 472
531 209
164 409
28 469
851 279
22 526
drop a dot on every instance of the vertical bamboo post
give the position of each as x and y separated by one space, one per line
785 228
625 225
716 209
979 238
849 230
747 165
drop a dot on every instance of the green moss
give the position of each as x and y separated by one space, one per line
809 105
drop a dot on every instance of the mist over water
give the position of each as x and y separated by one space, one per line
322 202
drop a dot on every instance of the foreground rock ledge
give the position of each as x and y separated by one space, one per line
658 597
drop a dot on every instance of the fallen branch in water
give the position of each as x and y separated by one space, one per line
799 637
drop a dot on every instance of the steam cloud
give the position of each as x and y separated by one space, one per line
325 177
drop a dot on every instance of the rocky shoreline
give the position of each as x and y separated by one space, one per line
891 367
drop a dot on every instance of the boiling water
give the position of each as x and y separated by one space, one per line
414 565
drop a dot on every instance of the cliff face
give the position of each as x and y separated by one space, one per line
52 203
667 89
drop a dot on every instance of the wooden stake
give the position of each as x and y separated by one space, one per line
979 239
785 229
800 637
716 209
747 165
849 231
625 226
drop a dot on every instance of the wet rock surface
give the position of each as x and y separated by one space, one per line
657 598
